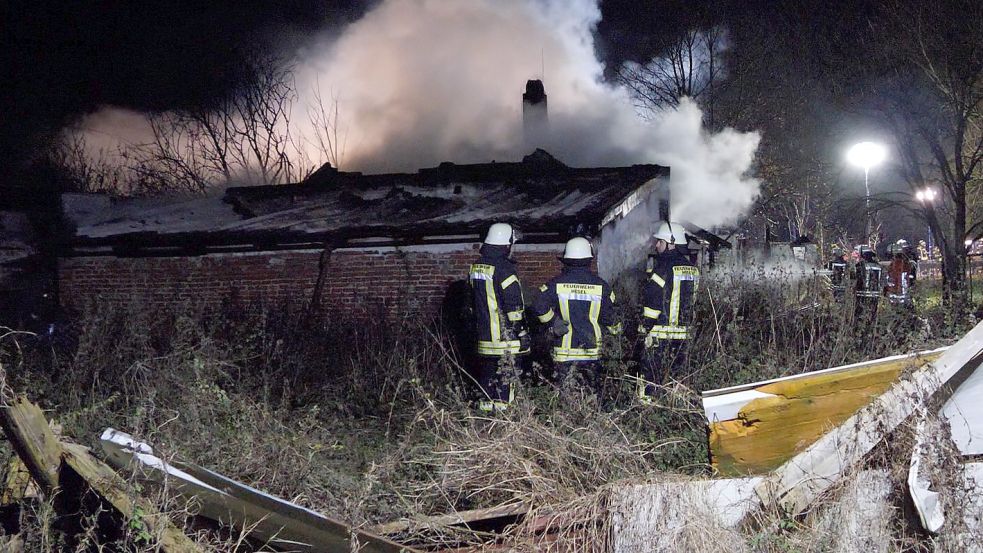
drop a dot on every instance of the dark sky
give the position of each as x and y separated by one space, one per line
60 59
64 58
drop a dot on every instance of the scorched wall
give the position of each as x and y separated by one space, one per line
360 282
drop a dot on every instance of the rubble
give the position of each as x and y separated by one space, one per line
72 470
826 483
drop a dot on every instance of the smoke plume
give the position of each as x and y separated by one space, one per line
417 82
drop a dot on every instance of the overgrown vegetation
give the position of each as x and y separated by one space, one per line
373 422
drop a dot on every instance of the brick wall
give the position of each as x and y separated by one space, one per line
361 282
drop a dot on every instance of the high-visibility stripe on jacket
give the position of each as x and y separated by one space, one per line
499 307
837 277
586 302
868 279
668 297
899 275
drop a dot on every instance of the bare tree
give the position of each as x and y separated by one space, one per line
688 67
246 136
328 140
87 171
931 101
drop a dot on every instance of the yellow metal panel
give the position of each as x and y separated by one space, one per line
769 431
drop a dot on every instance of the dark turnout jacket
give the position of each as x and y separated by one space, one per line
586 302
668 297
499 308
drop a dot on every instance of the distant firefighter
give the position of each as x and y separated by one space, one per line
575 306
867 275
667 312
900 274
499 314
838 267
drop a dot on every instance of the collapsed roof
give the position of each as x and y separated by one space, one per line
448 203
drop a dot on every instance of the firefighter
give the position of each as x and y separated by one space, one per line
837 267
867 275
667 313
574 306
900 275
499 315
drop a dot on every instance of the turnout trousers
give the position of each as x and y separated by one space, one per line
570 376
663 359
497 376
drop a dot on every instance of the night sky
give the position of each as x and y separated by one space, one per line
61 60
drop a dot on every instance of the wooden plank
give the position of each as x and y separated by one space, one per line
781 418
282 524
29 434
460 518
32 439
111 487
16 480
801 479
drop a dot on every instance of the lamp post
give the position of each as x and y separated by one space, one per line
927 198
866 155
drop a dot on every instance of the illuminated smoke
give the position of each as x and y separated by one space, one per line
418 82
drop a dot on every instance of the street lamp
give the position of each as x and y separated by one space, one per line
866 155
927 197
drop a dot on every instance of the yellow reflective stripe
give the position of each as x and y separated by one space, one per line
612 296
658 280
500 348
574 354
509 281
493 405
668 336
565 314
493 320
680 274
544 288
516 315
547 317
593 316
486 273
651 313
615 329
674 303
669 332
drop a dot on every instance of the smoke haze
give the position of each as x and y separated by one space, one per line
418 82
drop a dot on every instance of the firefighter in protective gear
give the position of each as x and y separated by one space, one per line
667 313
575 306
499 314
838 275
867 275
900 275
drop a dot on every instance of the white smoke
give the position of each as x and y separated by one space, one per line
418 82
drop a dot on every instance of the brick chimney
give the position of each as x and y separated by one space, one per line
535 119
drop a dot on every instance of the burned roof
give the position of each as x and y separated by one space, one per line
540 195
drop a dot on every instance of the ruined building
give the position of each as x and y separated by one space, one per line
354 244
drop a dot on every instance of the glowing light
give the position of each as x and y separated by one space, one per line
926 195
866 155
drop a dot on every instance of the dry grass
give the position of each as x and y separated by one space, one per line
374 423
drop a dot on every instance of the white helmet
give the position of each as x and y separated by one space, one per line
578 248
664 233
673 233
500 234
679 233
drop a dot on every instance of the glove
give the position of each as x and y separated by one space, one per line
525 341
560 327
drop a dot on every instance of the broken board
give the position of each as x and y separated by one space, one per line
755 428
